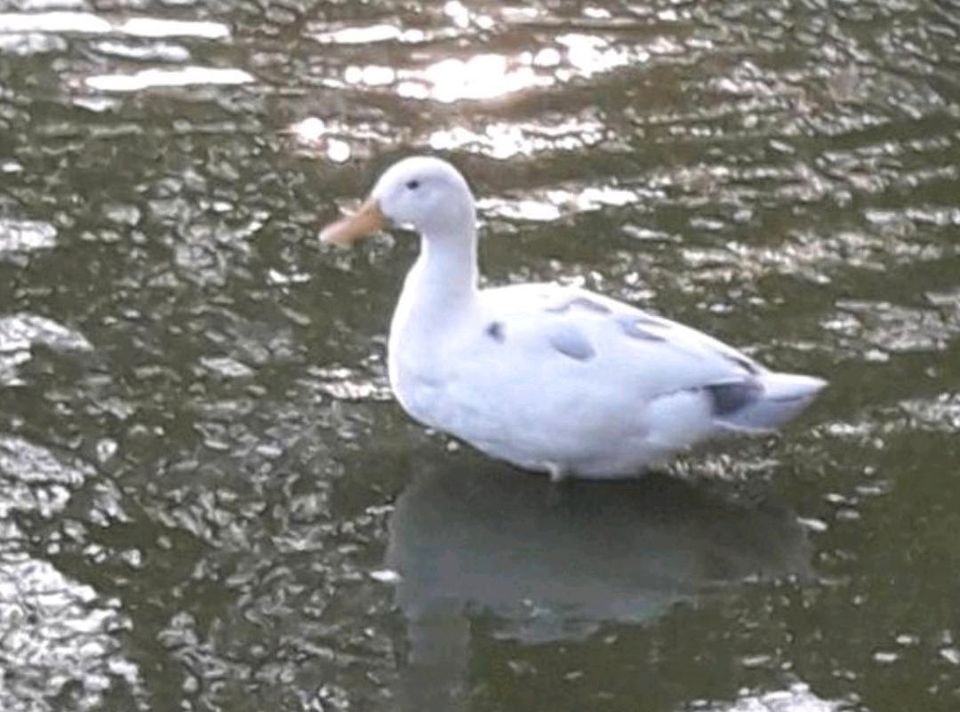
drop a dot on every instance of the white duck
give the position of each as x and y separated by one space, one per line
550 378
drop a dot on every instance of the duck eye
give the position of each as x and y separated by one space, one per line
413 184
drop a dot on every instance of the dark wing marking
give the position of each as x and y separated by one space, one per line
727 398
495 331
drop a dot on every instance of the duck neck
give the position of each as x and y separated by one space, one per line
446 270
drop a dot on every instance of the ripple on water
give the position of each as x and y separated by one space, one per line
33 479
345 384
555 56
506 140
941 413
18 237
663 152
555 203
796 698
161 78
363 35
67 22
490 75
226 367
19 333
58 643
893 328
25 44
154 51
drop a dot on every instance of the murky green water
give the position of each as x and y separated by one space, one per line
209 500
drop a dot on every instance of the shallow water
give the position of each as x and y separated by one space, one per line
210 501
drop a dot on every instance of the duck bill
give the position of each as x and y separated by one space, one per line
367 220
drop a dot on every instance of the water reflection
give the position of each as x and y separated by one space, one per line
89 24
20 334
503 140
18 237
369 34
59 643
157 78
796 698
484 76
556 564
489 75
784 175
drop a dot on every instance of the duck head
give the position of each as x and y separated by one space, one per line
425 194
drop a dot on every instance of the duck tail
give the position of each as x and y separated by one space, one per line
779 398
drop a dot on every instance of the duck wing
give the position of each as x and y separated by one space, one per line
595 343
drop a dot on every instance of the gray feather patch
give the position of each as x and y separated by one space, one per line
569 341
581 302
631 326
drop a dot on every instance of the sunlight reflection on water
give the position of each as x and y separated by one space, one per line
490 75
87 23
159 78
199 454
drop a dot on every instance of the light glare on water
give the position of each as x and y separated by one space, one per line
211 501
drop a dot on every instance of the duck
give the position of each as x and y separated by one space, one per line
547 377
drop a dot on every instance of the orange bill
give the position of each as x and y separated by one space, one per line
368 219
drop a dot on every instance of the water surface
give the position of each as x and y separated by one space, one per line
209 499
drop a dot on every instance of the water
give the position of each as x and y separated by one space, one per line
210 501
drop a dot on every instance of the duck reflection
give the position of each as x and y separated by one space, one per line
549 564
